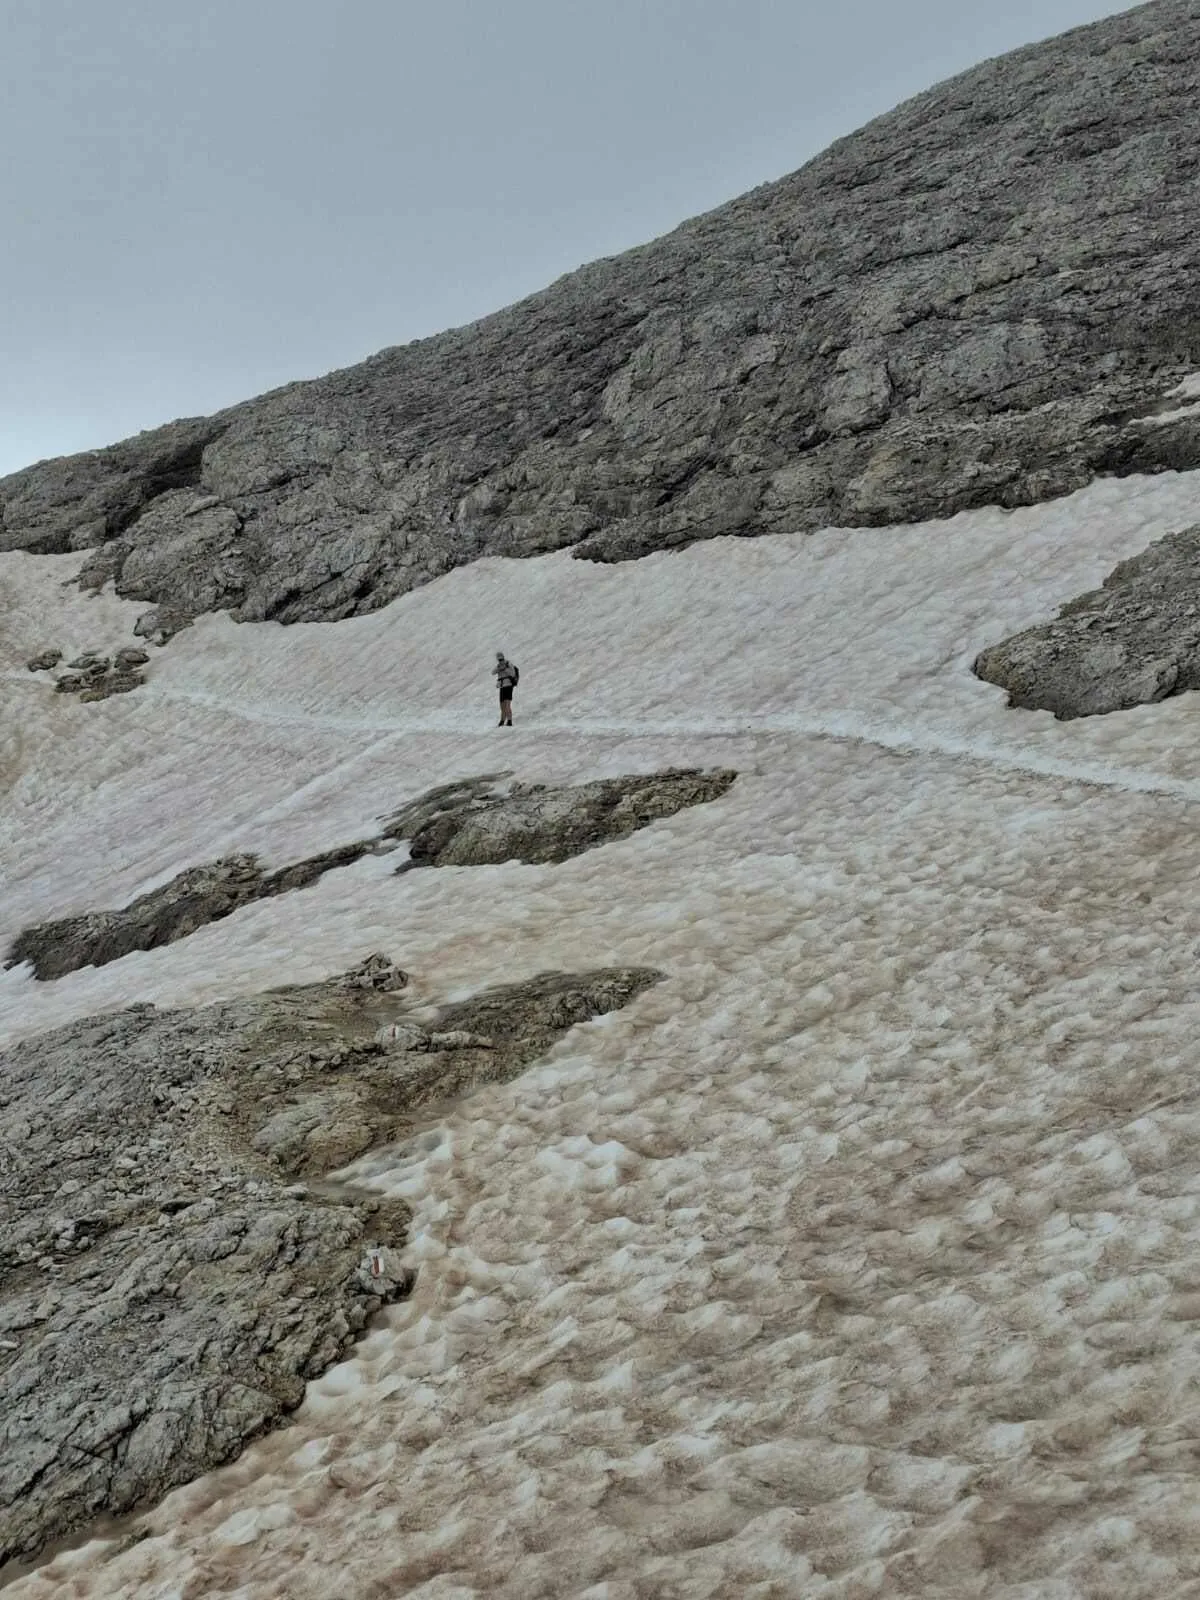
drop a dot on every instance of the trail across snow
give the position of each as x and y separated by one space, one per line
849 729
859 1257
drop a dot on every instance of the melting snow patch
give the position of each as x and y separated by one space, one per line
858 1257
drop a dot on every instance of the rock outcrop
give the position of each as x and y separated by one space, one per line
94 676
166 1286
191 900
44 661
1131 642
980 297
472 822
473 825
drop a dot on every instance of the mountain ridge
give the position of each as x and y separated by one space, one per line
979 297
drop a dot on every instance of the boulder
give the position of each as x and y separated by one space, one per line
102 686
476 823
43 661
1133 641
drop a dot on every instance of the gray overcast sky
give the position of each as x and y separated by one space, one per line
202 199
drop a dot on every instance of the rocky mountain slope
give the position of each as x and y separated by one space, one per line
164 1289
979 298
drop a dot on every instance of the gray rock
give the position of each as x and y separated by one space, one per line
102 686
1134 641
44 660
211 1285
161 624
462 793
978 298
468 823
95 677
459 1039
402 1036
88 499
382 1272
377 972
191 900
476 823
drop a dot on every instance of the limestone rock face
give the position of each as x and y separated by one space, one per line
979 297
166 1285
1131 642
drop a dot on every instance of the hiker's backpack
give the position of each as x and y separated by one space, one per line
516 672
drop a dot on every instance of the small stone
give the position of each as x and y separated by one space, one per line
69 683
382 1272
377 972
44 660
105 687
402 1036
89 658
128 658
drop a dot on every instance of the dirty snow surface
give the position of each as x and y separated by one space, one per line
860 1257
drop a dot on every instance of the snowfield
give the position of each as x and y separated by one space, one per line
859 1258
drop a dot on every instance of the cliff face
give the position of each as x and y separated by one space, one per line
977 298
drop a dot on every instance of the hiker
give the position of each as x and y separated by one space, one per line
507 676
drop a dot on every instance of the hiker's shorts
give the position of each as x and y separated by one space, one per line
506 691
